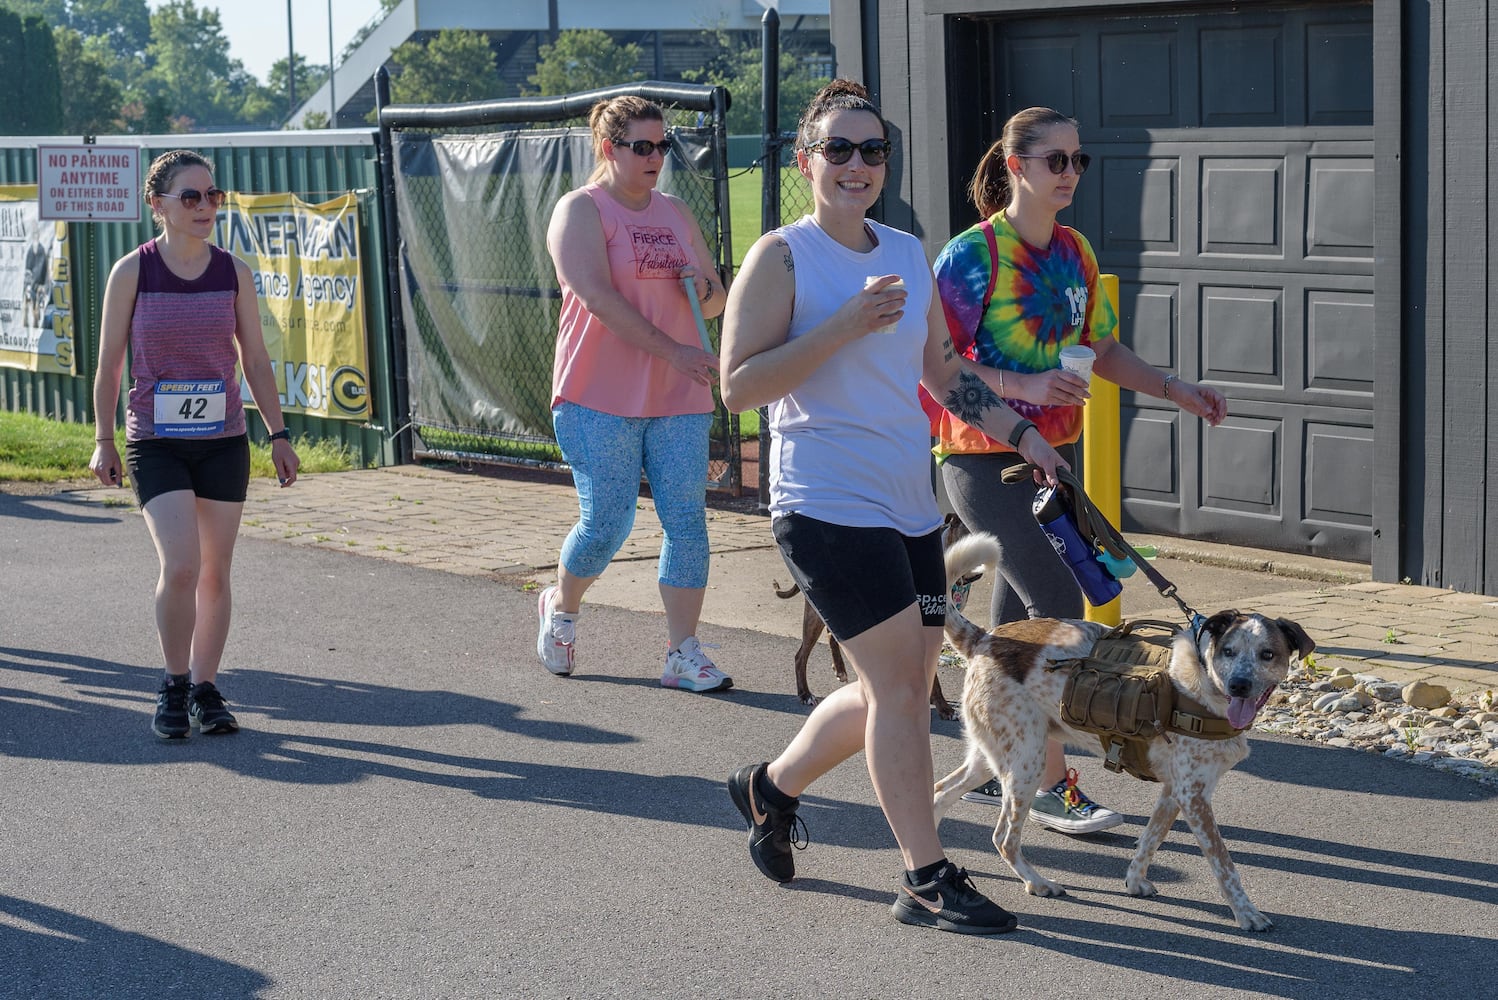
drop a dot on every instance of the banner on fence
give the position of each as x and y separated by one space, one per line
305 262
36 291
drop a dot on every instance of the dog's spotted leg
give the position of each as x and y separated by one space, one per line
1013 812
973 772
1150 840
1196 806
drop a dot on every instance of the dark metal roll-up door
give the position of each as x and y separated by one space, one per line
1232 192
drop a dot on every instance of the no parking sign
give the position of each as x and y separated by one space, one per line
88 183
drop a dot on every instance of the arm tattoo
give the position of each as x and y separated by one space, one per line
790 264
971 397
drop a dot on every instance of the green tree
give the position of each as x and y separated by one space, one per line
740 68
584 60
39 97
54 12
190 69
91 97
124 24
12 59
308 78
453 67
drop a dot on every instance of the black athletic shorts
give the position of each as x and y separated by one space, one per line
859 577
212 468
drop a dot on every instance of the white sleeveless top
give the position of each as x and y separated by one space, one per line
851 445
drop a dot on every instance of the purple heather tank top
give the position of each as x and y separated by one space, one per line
182 331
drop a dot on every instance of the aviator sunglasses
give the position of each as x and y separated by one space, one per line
838 150
192 197
1057 161
644 147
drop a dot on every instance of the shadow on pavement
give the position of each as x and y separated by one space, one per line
47 952
54 507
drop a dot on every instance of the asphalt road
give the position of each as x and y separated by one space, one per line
416 809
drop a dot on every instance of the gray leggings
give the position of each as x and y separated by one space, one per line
1033 581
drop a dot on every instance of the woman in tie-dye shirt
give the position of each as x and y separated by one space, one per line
1016 289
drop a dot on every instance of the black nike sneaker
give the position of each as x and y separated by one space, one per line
207 712
772 832
950 902
170 722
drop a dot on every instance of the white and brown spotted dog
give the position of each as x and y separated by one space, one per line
1011 703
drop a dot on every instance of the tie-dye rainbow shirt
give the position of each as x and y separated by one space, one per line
1043 300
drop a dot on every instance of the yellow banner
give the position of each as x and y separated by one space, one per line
305 261
36 290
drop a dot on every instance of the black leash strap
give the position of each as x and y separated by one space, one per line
1092 525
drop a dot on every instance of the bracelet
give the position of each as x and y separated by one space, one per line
1001 383
1165 389
709 292
110 440
281 435
1019 432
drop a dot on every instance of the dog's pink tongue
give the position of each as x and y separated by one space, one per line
1241 712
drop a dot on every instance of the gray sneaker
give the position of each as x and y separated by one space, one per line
555 634
1065 809
990 793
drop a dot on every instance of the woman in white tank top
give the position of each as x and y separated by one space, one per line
838 364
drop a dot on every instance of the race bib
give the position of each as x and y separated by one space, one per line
190 409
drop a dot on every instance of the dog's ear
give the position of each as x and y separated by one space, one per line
1220 623
1296 636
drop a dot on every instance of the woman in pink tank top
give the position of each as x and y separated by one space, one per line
185 311
632 383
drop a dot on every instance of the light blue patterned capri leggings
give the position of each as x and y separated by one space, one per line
606 454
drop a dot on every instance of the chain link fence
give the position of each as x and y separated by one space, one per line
480 299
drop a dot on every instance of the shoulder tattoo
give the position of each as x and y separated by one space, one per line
785 254
971 398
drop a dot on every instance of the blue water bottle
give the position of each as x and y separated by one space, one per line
1054 514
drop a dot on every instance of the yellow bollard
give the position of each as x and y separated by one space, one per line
1102 458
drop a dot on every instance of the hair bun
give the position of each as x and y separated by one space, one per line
842 86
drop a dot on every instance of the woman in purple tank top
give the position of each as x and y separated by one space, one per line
186 311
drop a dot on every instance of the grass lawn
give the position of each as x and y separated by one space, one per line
38 450
745 201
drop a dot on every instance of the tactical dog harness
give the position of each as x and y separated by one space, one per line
1121 692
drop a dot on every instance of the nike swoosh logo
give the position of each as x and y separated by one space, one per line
935 907
754 810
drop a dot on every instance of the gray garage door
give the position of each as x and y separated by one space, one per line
1232 192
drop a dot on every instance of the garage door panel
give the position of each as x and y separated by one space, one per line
1148 317
1139 85
1240 461
1339 207
1242 333
1242 75
1339 73
1043 72
1148 456
1139 197
1339 343
1242 203
1339 469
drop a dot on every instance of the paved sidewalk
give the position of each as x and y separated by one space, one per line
509 525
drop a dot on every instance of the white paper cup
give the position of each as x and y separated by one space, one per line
898 285
1078 359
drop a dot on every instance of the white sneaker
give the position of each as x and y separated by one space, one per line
555 637
688 668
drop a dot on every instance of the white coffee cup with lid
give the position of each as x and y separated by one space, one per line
898 285
1078 359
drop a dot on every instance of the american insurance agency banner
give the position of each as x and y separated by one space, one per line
305 262
36 293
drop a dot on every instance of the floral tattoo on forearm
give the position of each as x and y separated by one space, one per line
971 398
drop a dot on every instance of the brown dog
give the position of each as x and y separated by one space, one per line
1011 703
812 627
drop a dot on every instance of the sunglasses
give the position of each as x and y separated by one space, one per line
644 147
838 150
1058 160
191 197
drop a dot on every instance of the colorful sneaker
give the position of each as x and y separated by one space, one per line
206 711
170 722
555 636
950 902
990 793
772 832
688 668
1065 809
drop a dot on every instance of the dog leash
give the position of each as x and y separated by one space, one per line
1093 526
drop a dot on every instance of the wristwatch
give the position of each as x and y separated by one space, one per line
1019 432
281 435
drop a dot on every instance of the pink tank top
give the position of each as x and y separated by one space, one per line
596 369
183 330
